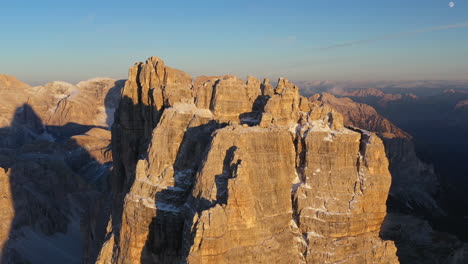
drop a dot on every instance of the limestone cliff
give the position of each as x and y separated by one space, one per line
415 185
54 163
218 170
414 215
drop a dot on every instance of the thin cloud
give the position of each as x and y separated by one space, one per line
393 36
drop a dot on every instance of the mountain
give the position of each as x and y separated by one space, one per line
54 161
165 168
414 183
418 88
222 170
438 124
414 205
14 94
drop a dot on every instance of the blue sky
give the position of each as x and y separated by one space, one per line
302 40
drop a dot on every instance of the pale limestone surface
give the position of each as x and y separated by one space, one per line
224 171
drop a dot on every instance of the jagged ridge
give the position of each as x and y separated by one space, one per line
221 170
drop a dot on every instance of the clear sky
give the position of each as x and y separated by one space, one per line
45 40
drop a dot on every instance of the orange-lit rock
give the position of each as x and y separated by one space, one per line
226 171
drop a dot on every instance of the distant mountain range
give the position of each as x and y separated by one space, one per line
419 88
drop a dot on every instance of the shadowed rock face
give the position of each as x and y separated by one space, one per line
218 170
414 183
436 119
414 203
54 166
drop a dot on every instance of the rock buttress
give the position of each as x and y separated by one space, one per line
218 170
242 200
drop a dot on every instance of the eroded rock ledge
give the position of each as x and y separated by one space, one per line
218 170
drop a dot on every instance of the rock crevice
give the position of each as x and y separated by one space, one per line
239 172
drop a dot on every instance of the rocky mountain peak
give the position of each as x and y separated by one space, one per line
218 169
7 81
54 163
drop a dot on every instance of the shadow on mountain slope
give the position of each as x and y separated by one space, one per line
439 129
165 242
48 193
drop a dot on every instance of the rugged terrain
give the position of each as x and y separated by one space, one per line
414 183
220 170
54 161
210 170
436 118
427 115
414 204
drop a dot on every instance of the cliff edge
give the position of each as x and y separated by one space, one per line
218 170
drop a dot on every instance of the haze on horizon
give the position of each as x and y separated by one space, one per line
301 40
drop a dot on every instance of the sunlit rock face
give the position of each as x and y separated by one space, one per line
218 170
415 185
415 211
14 94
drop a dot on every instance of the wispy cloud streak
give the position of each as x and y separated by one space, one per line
393 36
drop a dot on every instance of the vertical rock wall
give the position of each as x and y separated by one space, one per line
224 171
